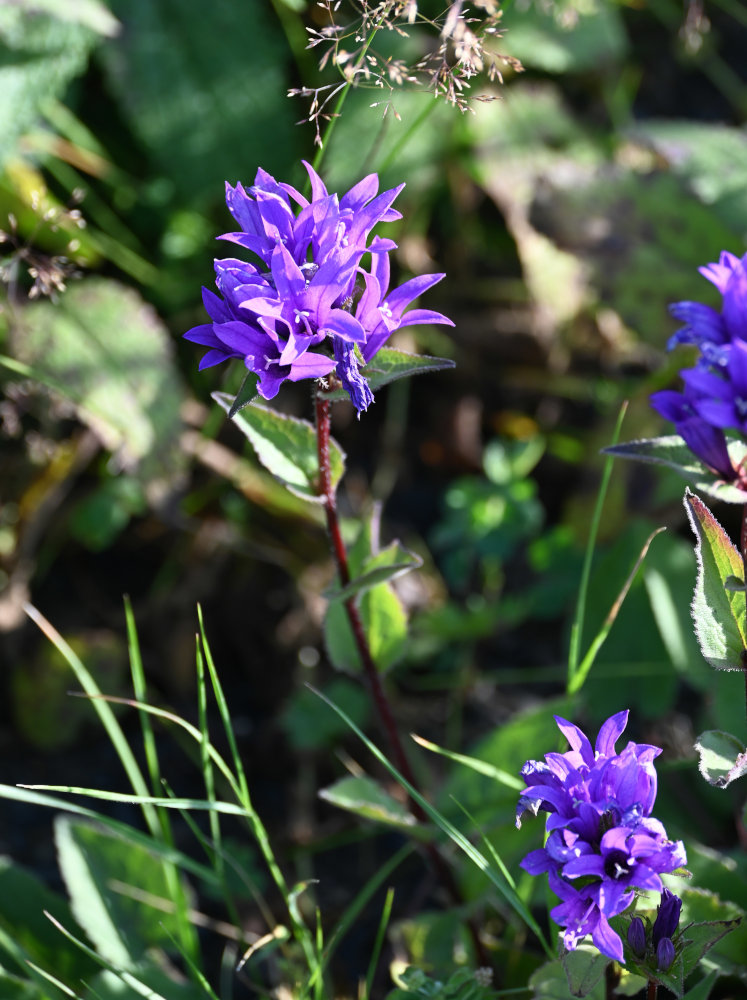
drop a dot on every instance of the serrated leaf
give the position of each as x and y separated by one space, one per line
390 563
286 446
550 982
99 867
365 797
672 452
718 613
388 365
723 759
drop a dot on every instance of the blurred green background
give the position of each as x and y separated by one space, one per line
567 214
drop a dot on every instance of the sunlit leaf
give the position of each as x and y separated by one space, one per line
286 446
365 797
718 612
723 758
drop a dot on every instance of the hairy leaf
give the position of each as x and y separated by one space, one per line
672 451
286 446
718 611
723 759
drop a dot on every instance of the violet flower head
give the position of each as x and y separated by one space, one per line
714 399
603 843
308 307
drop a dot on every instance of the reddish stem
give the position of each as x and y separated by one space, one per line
326 490
653 990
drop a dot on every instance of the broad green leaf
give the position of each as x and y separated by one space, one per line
388 365
718 613
703 989
94 14
23 900
710 158
39 55
247 392
584 969
390 563
723 758
365 797
384 624
286 446
674 453
541 37
119 893
107 352
203 91
550 982
310 725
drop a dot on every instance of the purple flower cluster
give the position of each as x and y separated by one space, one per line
602 842
308 308
714 398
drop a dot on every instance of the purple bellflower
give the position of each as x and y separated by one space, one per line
308 308
603 843
715 395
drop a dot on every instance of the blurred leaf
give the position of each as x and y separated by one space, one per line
565 37
388 365
286 446
43 710
99 518
107 352
93 14
711 158
674 453
39 55
23 900
718 613
723 758
550 982
204 90
365 797
153 982
310 725
111 882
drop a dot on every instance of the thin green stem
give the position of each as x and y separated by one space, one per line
578 622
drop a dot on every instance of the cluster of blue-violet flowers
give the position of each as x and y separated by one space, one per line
308 308
602 843
714 398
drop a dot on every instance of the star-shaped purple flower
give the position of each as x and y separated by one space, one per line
603 842
715 395
309 307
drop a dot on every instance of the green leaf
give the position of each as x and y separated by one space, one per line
286 446
390 563
365 797
384 623
550 982
723 759
672 451
39 55
104 349
106 878
308 723
543 38
23 900
584 969
388 365
247 392
199 100
718 613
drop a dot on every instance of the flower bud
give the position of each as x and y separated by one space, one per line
665 955
667 917
637 937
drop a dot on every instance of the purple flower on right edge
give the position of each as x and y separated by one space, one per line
714 398
603 843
